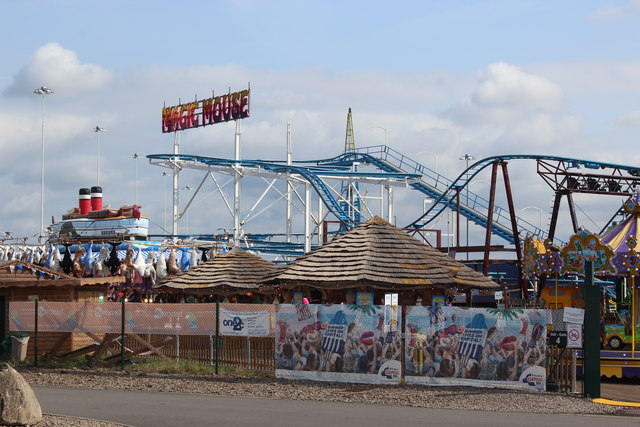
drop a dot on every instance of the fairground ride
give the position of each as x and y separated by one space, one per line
321 183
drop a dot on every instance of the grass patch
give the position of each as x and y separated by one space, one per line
149 365
182 366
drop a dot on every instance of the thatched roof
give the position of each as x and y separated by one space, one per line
234 272
379 255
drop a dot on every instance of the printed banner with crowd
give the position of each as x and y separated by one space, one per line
349 343
476 347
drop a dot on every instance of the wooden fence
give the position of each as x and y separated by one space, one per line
252 353
561 369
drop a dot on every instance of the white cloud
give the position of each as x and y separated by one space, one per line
504 92
60 69
609 12
631 120
542 134
503 85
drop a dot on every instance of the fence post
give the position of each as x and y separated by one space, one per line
248 352
217 335
210 349
35 335
122 337
177 347
574 360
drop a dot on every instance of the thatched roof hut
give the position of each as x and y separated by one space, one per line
378 255
234 272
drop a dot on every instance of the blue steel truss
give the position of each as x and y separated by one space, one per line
310 173
393 164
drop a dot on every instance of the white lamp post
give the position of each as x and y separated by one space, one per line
539 213
467 158
42 90
135 158
97 130
385 132
435 159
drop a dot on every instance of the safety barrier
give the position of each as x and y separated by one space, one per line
439 346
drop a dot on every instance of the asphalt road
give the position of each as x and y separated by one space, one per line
167 409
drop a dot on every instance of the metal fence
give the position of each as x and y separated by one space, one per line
440 345
238 335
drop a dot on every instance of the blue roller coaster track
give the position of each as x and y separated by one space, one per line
309 173
393 164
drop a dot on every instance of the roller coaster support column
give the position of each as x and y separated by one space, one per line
487 237
390 212
176 182
457 217
556 209
236 187
320 219
289 187
307 218
514 227
591 334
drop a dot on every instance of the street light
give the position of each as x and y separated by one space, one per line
135 158
385 132
467 158
435 159
165 175
97 130
42 90
539 212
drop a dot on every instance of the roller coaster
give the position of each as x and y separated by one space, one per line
565 176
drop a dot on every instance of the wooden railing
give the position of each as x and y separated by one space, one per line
252 353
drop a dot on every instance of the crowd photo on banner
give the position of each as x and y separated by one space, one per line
475 346
355 343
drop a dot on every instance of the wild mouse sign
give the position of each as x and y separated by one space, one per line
223 108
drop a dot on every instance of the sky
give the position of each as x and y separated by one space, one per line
433 80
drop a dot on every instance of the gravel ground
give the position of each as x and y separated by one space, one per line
461 398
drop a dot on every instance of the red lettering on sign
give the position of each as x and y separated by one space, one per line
232 106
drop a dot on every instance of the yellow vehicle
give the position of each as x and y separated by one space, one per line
565 297
618 330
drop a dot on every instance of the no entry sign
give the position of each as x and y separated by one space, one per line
574 335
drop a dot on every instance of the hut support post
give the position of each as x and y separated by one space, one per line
487 237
